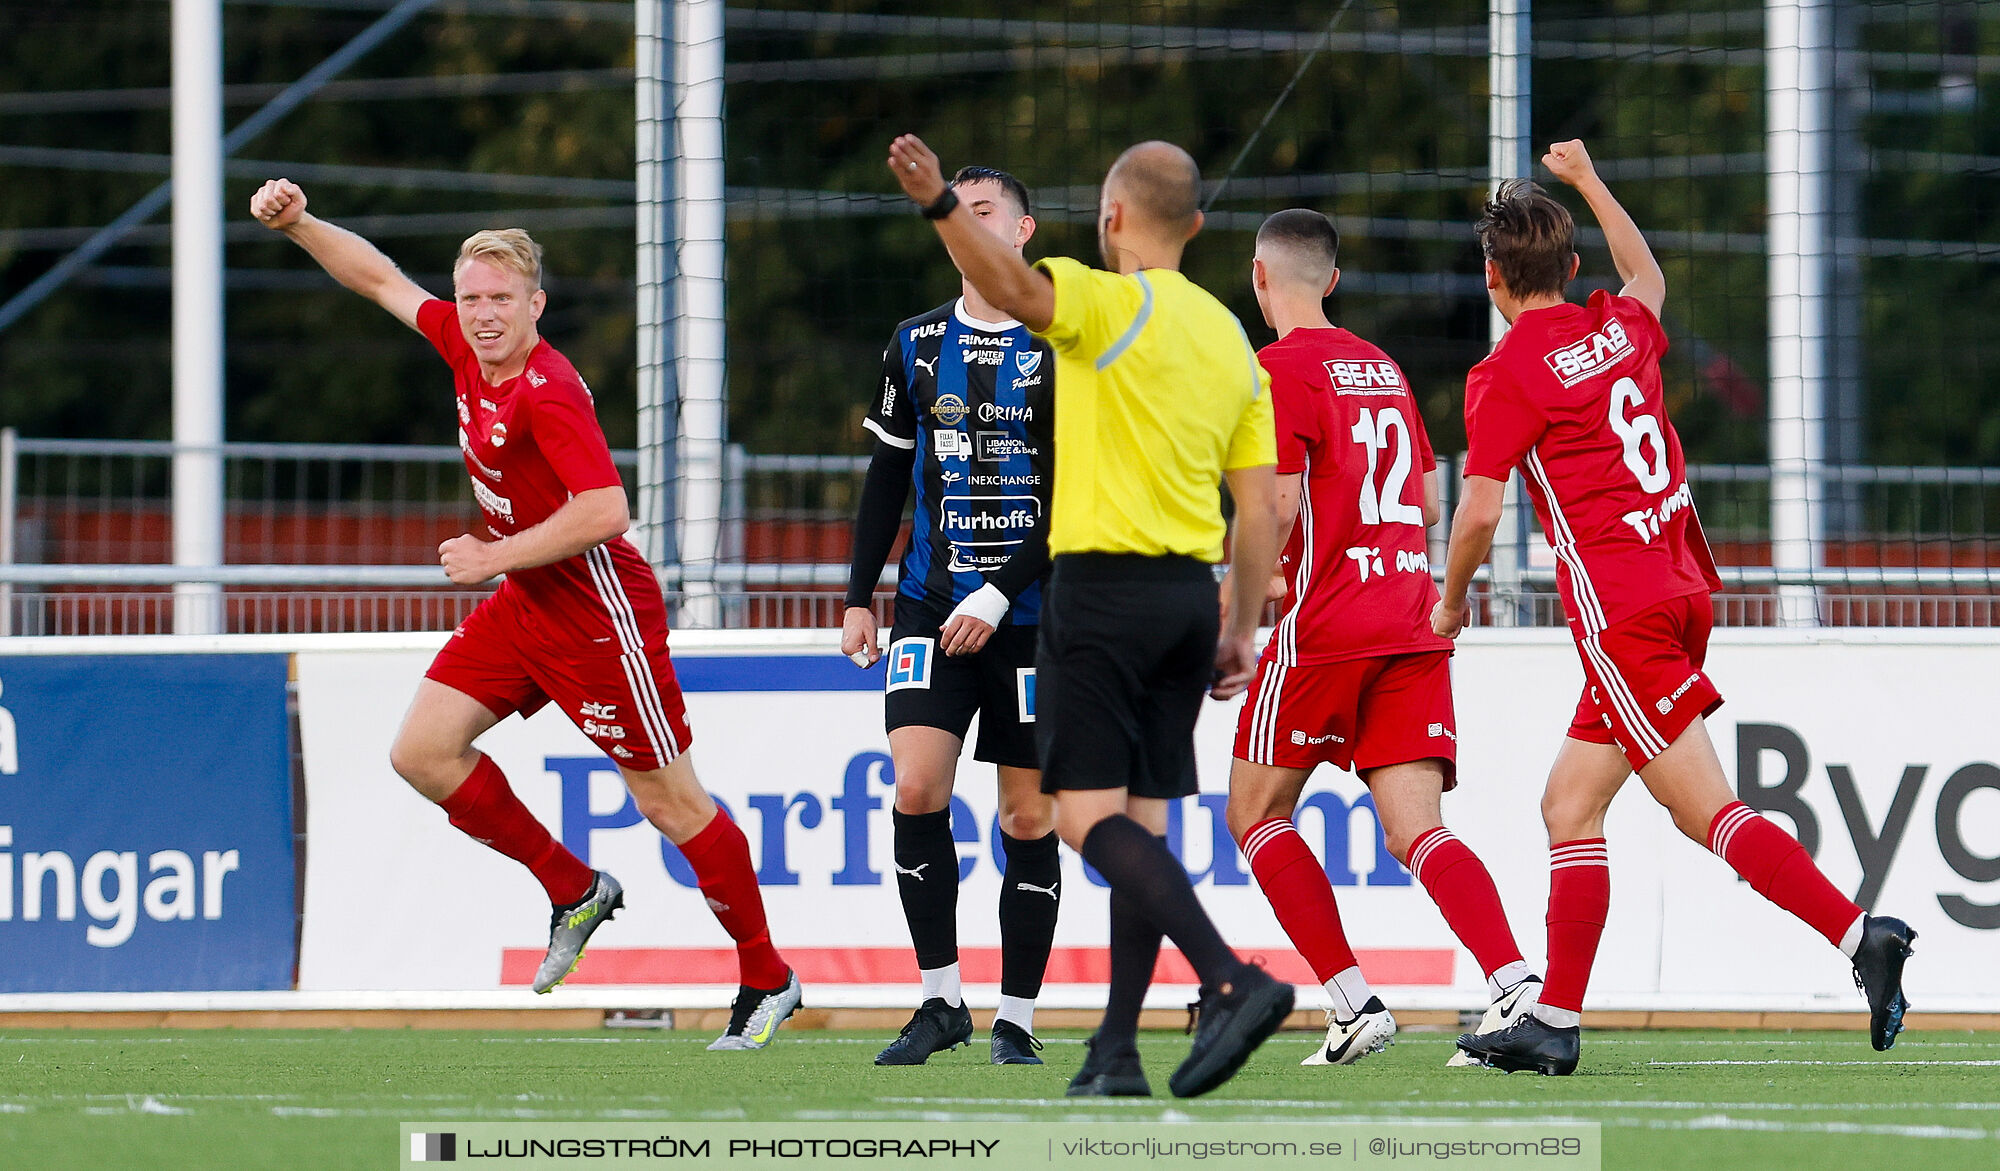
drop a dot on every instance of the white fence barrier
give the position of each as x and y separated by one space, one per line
1876 745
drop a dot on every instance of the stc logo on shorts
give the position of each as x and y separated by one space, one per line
910 663
949 409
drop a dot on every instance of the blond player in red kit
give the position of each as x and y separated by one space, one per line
578 621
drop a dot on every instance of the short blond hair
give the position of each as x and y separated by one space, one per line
509 248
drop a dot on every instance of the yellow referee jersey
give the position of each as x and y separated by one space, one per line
1157 394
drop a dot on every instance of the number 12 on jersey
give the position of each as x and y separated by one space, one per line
1382 503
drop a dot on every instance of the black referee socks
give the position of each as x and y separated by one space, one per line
1135 950
927 878
1140 867
1030 892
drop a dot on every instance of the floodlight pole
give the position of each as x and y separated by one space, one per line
198 309
1798 39
1509 57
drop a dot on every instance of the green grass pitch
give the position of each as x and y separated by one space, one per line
334 1099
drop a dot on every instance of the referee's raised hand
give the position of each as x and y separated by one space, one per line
917 169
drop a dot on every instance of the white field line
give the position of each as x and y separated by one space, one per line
1709 1122
1472 1104
1778 1061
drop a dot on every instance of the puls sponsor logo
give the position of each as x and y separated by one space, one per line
934 329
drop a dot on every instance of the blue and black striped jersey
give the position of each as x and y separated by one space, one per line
975 401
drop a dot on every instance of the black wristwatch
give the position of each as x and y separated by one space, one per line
942 206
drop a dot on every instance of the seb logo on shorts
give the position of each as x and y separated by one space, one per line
1599 351
596 717
910 662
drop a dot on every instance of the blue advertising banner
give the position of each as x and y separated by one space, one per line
145 824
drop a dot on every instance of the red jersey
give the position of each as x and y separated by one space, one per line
1572 396
1357 569
530 444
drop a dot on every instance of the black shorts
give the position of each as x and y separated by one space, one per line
930 689
1127 653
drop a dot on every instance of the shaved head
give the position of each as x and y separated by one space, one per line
1161 184
1299 247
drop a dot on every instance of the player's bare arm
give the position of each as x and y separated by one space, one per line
584 522
1254 546
987 262
1472 529
280 205
1644 281
1433 499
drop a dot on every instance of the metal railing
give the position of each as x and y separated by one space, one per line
343 537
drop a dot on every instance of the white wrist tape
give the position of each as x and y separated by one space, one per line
986 603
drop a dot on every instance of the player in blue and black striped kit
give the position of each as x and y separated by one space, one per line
965 412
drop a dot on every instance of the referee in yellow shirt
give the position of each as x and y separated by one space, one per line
1158 399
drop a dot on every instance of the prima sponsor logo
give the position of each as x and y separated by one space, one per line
1594 354
934 329
949 409
995 413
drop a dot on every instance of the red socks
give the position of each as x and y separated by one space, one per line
1778 868
1579 897
1296 886
488 812
1462 889
720 856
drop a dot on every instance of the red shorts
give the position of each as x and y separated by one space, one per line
1358 714
1643 682
628 704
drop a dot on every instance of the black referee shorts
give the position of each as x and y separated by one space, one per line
1127 653
930 689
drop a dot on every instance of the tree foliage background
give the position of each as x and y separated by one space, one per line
1386 130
